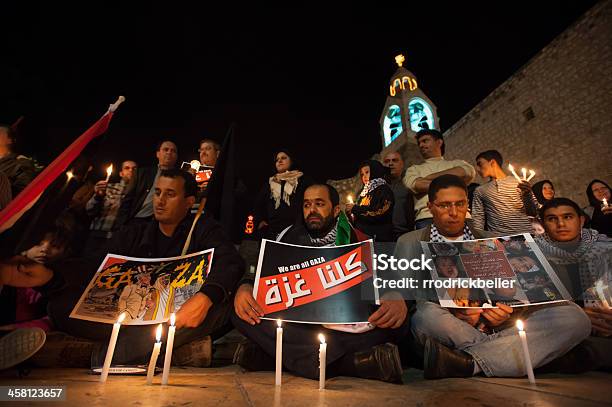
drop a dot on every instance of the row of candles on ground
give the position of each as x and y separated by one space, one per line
279 353
156 349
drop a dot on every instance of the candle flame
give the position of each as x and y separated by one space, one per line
322 338
121 318
172 319
279 322
349 198
109 170
70 175
195 165
158 332
519 325
605 202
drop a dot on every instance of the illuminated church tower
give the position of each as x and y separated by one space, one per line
407 110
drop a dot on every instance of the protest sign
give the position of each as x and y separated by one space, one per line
147 290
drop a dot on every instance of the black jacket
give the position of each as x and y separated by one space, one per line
136 193
374 214
140 240
19 170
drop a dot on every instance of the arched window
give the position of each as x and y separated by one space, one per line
420 115
392 124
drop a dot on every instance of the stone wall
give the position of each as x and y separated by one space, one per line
553 115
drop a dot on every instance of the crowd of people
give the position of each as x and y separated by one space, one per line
148 212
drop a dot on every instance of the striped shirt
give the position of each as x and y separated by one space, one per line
498 206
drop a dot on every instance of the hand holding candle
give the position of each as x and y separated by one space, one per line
527 358
169 345
349 199
109 171
279 353
322 361
154 355
111 348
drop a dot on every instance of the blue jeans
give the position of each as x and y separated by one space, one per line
551 332
422 223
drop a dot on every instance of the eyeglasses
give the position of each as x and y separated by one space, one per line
460 205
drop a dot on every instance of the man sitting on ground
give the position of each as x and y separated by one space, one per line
453 345
367 355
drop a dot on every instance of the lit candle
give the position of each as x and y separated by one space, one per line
322 358
111 348
524 172
511 168
154 355
599 287
279 352
195 165
109 171
528 366
169 345
604 203
69 175
531 175
349 198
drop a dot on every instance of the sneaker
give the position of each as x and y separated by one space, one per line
63 350
20 345
196 353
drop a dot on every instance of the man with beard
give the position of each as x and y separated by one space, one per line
367 355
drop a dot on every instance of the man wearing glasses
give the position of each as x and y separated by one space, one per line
462 342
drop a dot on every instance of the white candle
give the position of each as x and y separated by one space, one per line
111 348
109 171
600 293
531 175
528 366
154 355
322 358
524 172
279 352
169 345
511 168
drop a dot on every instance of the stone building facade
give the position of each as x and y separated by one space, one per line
553 115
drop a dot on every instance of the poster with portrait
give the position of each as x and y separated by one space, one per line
319 285
480 273
146 290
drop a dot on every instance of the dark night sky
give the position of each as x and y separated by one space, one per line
311 79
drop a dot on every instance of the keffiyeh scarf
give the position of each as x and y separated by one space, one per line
593 256
291 179
436 237
371 185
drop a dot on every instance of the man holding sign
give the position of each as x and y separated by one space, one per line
365 354
454 346
203 314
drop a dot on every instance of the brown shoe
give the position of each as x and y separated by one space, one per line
441 362
197 353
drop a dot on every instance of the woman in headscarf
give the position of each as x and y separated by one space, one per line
373 211
600 214
544 191
277 205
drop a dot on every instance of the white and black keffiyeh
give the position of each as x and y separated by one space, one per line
371 185
436 237
328 240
